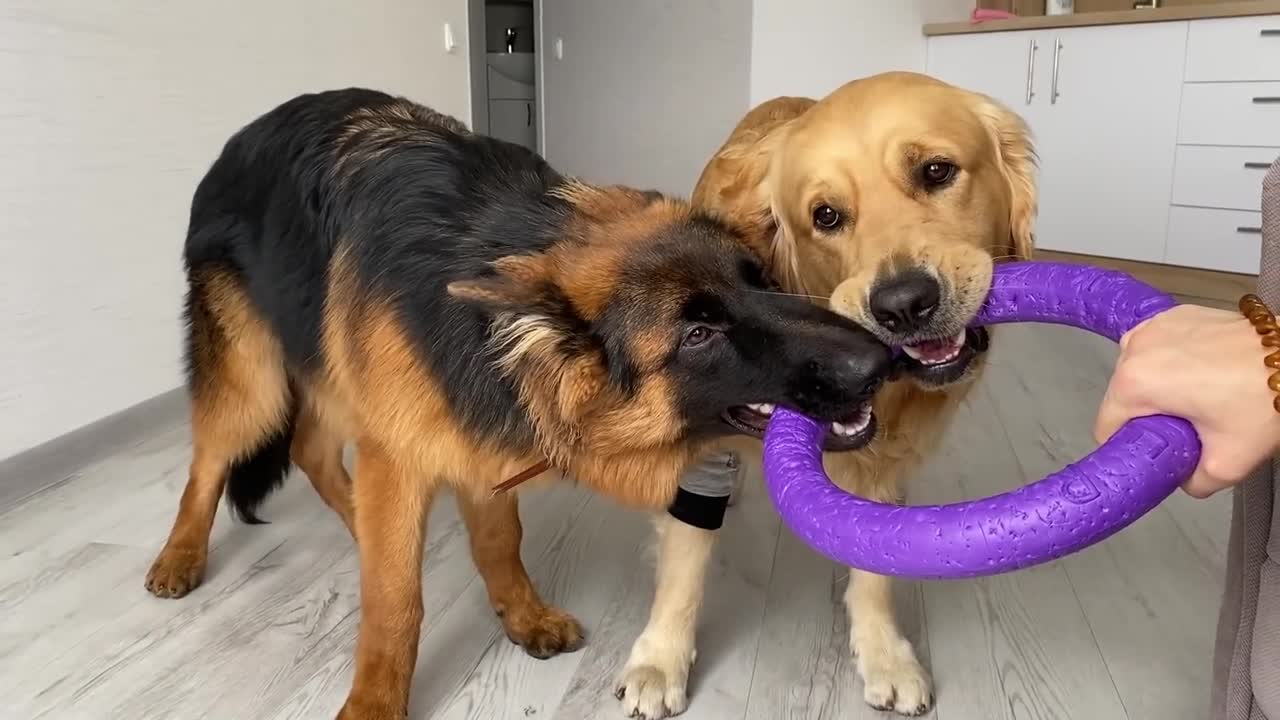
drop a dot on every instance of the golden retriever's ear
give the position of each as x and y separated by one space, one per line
783 257
1012 138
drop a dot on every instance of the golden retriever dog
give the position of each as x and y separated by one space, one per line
890 199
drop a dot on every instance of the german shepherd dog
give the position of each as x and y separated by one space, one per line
362 268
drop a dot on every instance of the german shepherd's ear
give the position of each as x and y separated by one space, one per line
532 320
540 339
519 283
606 203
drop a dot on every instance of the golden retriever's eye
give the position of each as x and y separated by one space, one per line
826 217
937 173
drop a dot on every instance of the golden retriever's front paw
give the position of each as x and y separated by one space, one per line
654 684
894 680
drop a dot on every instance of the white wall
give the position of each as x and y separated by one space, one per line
811 47
109 114
647 89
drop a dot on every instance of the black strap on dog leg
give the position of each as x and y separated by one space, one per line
703 495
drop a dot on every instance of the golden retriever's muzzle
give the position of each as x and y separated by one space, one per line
920 316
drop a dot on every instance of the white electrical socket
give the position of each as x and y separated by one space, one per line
449 43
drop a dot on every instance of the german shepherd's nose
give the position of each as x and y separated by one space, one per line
847 364
823 365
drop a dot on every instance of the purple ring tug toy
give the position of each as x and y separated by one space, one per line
1084 503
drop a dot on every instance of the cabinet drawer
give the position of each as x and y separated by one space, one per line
1230 114
1246 48
1221 177
1223 240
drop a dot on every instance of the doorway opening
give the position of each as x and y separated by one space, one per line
505 70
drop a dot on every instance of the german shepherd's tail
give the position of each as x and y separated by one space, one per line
244 403
253 478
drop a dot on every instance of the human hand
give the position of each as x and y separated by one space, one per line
1205 365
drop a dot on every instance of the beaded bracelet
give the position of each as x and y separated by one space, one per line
1264 322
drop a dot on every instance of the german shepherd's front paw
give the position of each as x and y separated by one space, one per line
543 632
357 708
176 572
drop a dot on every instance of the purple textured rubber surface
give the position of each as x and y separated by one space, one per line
1084 503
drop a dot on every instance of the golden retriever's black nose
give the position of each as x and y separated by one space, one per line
905 302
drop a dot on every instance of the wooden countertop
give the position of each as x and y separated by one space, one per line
1119 17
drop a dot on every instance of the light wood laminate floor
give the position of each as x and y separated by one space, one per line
1121 630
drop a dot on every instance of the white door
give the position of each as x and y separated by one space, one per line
1106 139
514 121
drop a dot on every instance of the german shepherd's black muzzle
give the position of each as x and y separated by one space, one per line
783 350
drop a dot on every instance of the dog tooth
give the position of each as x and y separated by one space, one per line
844 430
767 408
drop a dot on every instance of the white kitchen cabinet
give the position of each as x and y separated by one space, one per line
1008 66
1226 240
1101 103
1225 178
514 121
1234 49
1106 138
1231 113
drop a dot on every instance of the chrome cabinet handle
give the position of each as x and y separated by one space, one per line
528 115
1269 32
1031 69
1257 165
1249 230
1053 90
1267 99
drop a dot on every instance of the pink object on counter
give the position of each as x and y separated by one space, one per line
981 15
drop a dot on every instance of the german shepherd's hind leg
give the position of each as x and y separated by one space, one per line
654 684
240 425
391 505
494 526
317 451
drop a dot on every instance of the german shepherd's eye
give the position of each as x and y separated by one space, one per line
697 335
937 173
826 217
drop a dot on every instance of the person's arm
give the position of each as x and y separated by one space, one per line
1204 365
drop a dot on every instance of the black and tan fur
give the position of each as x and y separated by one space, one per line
361 268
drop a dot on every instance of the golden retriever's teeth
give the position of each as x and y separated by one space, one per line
936 352
762 408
